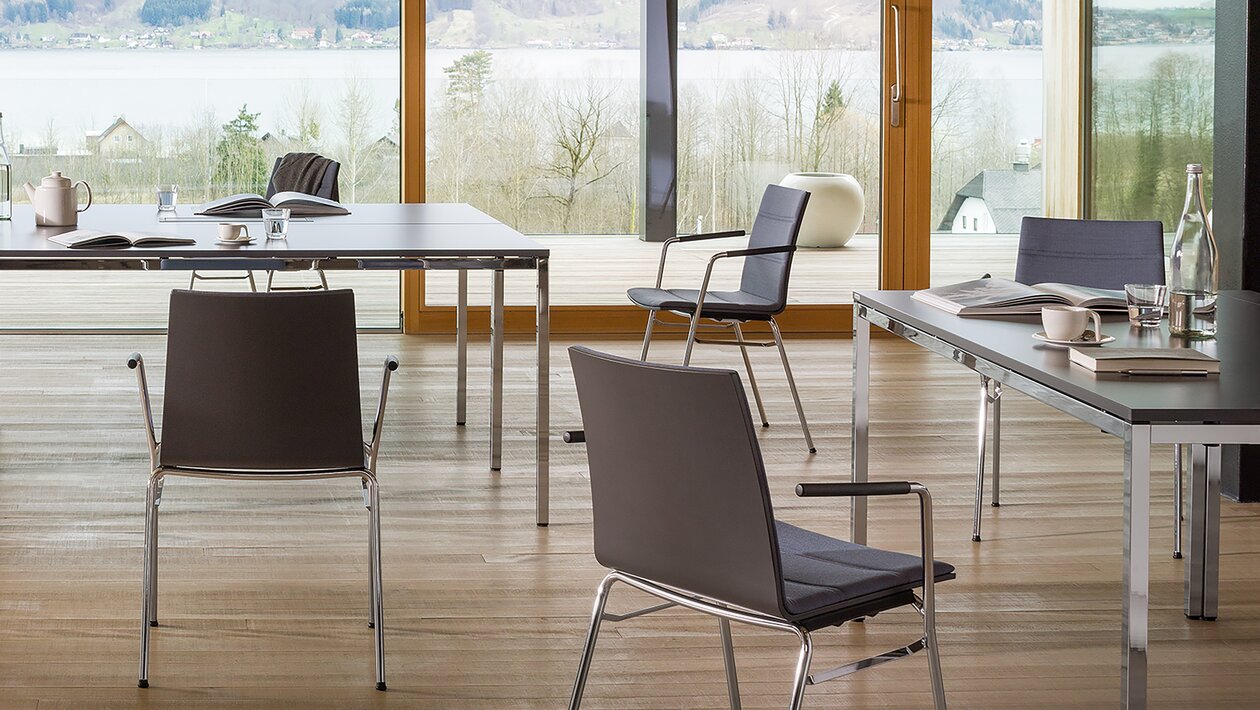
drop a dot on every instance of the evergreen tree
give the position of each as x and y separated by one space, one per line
241 165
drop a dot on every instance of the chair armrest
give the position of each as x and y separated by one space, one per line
891 488
391 364
136 362
708 235
660 270
708 273
882 488
577 436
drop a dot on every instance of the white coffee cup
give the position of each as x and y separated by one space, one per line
1069 322
233 232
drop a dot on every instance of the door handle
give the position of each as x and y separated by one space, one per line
894 92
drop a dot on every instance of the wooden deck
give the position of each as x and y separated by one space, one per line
584 271
263 586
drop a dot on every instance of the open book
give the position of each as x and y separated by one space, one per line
247 205
1146 361
1002 297
87 238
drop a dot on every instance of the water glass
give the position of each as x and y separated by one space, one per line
276 223
1146 304
166 197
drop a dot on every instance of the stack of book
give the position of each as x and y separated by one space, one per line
1145 361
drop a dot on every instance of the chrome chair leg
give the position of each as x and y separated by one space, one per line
728 658
1177 500
802 670
367 505
378 611
982 440
647 335
997 444
147 614
796 396
743 350
592 635
253 287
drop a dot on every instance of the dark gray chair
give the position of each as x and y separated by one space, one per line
1082 252
261 387
762 292
688 519
307 173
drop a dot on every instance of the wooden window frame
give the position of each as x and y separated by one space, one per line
905 221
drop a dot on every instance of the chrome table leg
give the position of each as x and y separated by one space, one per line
1136 583
982 440
1202 565
997 444
496 370
860 450
1178 505
461 350
542 480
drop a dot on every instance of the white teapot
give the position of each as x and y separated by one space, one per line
56 200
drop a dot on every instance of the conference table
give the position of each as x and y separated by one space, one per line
386 237
1203 412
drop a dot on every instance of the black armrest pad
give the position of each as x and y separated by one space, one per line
709 235
883 488
577 436
760 251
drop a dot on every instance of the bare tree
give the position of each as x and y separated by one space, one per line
579 124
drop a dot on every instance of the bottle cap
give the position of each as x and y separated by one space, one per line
1195 168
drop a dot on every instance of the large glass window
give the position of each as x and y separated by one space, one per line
205 95
764 96
987 101
1152 100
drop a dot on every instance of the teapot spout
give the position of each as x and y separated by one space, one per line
30 191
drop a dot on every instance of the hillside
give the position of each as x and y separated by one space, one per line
747 24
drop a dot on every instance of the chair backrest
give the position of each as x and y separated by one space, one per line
678 490
310 173
777 224
1093 253
266 381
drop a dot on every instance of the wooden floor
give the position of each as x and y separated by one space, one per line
584 271
264 586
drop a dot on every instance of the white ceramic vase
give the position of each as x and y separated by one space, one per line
836 207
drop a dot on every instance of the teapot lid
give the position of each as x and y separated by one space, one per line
55 180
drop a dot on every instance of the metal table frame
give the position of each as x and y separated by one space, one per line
1203 553
462 265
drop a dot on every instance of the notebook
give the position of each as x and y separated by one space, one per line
1145 361
87 238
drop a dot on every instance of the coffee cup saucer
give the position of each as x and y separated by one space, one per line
1086 340
234 242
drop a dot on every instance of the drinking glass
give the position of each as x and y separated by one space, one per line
166 197
1146 304
276 223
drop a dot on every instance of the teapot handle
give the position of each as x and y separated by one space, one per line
89 191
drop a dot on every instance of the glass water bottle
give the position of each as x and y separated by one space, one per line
1195 267
6 178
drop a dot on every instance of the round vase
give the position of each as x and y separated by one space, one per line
836 207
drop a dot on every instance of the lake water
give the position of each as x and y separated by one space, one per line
74 91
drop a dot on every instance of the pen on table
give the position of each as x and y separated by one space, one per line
1195 373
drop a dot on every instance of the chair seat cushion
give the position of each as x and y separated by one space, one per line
717 304
820 572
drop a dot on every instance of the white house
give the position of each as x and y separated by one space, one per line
996 201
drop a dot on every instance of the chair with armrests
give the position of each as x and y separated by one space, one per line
689 521
762 292
1082 252
307 173
261 387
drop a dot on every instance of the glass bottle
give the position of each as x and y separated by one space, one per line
6 178
1195 267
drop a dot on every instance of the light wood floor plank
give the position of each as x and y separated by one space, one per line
263 586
